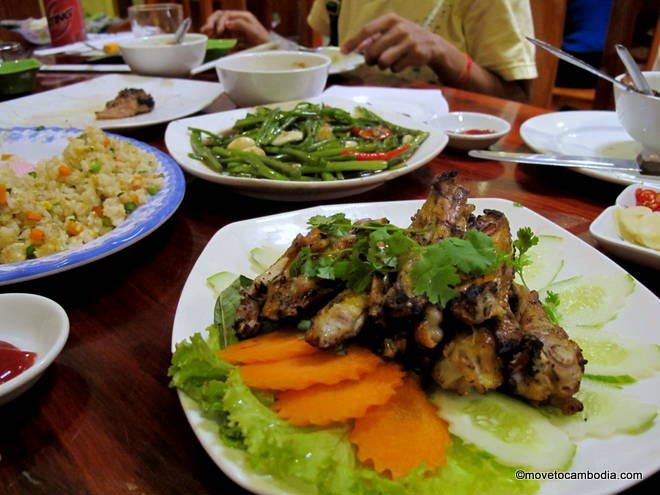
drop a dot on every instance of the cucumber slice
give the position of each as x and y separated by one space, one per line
263 257
220 281
616 360
591 301
514 432
546 261
604 414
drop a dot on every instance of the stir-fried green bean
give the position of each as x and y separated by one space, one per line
310 142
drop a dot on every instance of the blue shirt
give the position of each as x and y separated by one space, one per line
586 25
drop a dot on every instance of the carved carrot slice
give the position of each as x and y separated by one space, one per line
273 346
402 434
303 371
326 404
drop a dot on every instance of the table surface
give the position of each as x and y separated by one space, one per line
103 419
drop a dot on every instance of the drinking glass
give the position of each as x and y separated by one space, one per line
155 18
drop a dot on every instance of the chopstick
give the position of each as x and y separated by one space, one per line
86 68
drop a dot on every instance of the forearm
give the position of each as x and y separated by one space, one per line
453 69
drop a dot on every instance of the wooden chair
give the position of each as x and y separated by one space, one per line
548 17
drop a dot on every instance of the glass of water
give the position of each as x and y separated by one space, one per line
155 18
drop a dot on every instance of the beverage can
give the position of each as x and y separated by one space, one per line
65 21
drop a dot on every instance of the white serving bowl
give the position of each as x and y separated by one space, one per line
640 114
31 323
454 122
269 77
157 56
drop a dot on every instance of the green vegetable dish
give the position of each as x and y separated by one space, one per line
478 381
308 143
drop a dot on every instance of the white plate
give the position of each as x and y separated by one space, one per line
605 230
228 251
74 105
177 139
33 145
422 105
341 63
584 133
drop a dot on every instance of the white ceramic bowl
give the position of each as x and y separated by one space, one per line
157 56
640 114
31 323
455 122
269 77
604 229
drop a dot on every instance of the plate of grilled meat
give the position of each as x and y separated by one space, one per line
467 345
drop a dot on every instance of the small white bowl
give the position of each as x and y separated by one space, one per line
31 323
455 122
270 77
640 114
157 56
606 232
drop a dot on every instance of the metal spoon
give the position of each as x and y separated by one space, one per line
567 57
182 30
633 71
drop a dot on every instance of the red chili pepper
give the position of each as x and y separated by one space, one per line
648 198
379 132
378 155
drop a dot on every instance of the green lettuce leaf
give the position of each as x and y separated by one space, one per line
224 313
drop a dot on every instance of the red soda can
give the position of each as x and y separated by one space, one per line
65 21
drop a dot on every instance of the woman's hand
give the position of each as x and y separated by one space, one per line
394 42
239 24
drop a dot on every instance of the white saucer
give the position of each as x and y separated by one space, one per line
584 133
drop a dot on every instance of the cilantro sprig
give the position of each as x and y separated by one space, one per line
551 306
525 240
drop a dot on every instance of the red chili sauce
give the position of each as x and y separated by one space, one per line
13 361
475 132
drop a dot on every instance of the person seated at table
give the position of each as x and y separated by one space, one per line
470 44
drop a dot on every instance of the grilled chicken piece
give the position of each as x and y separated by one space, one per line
127 103
445 212
400 300
548 367
379 287
428 332
470 362
487 297
341 319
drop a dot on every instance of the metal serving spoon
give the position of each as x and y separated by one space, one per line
182 30
633 71
567 57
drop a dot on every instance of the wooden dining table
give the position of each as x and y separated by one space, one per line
103 419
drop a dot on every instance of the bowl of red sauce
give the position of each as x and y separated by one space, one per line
472 130
33 331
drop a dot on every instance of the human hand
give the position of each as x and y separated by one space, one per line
239 24
394 42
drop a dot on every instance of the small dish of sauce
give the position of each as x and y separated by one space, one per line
13 361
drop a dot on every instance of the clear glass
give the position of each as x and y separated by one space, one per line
155 18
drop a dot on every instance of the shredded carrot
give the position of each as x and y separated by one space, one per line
98 210
33 216
273 346
303 371
136 182
37 235
73 228
106 141
4 196
325 404
64 170
402 434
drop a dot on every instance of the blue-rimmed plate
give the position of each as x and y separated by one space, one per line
34 144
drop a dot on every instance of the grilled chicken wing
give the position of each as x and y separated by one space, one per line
127 103
548 367
341 319
469 362
445 212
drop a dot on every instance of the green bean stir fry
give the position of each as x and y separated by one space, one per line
308 143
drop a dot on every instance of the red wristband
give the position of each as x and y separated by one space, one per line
465 75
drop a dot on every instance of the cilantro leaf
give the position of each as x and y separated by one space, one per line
474 255
336 225
434 275
525 240
551 305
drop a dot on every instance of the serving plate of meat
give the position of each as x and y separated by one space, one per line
500 345
115 101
